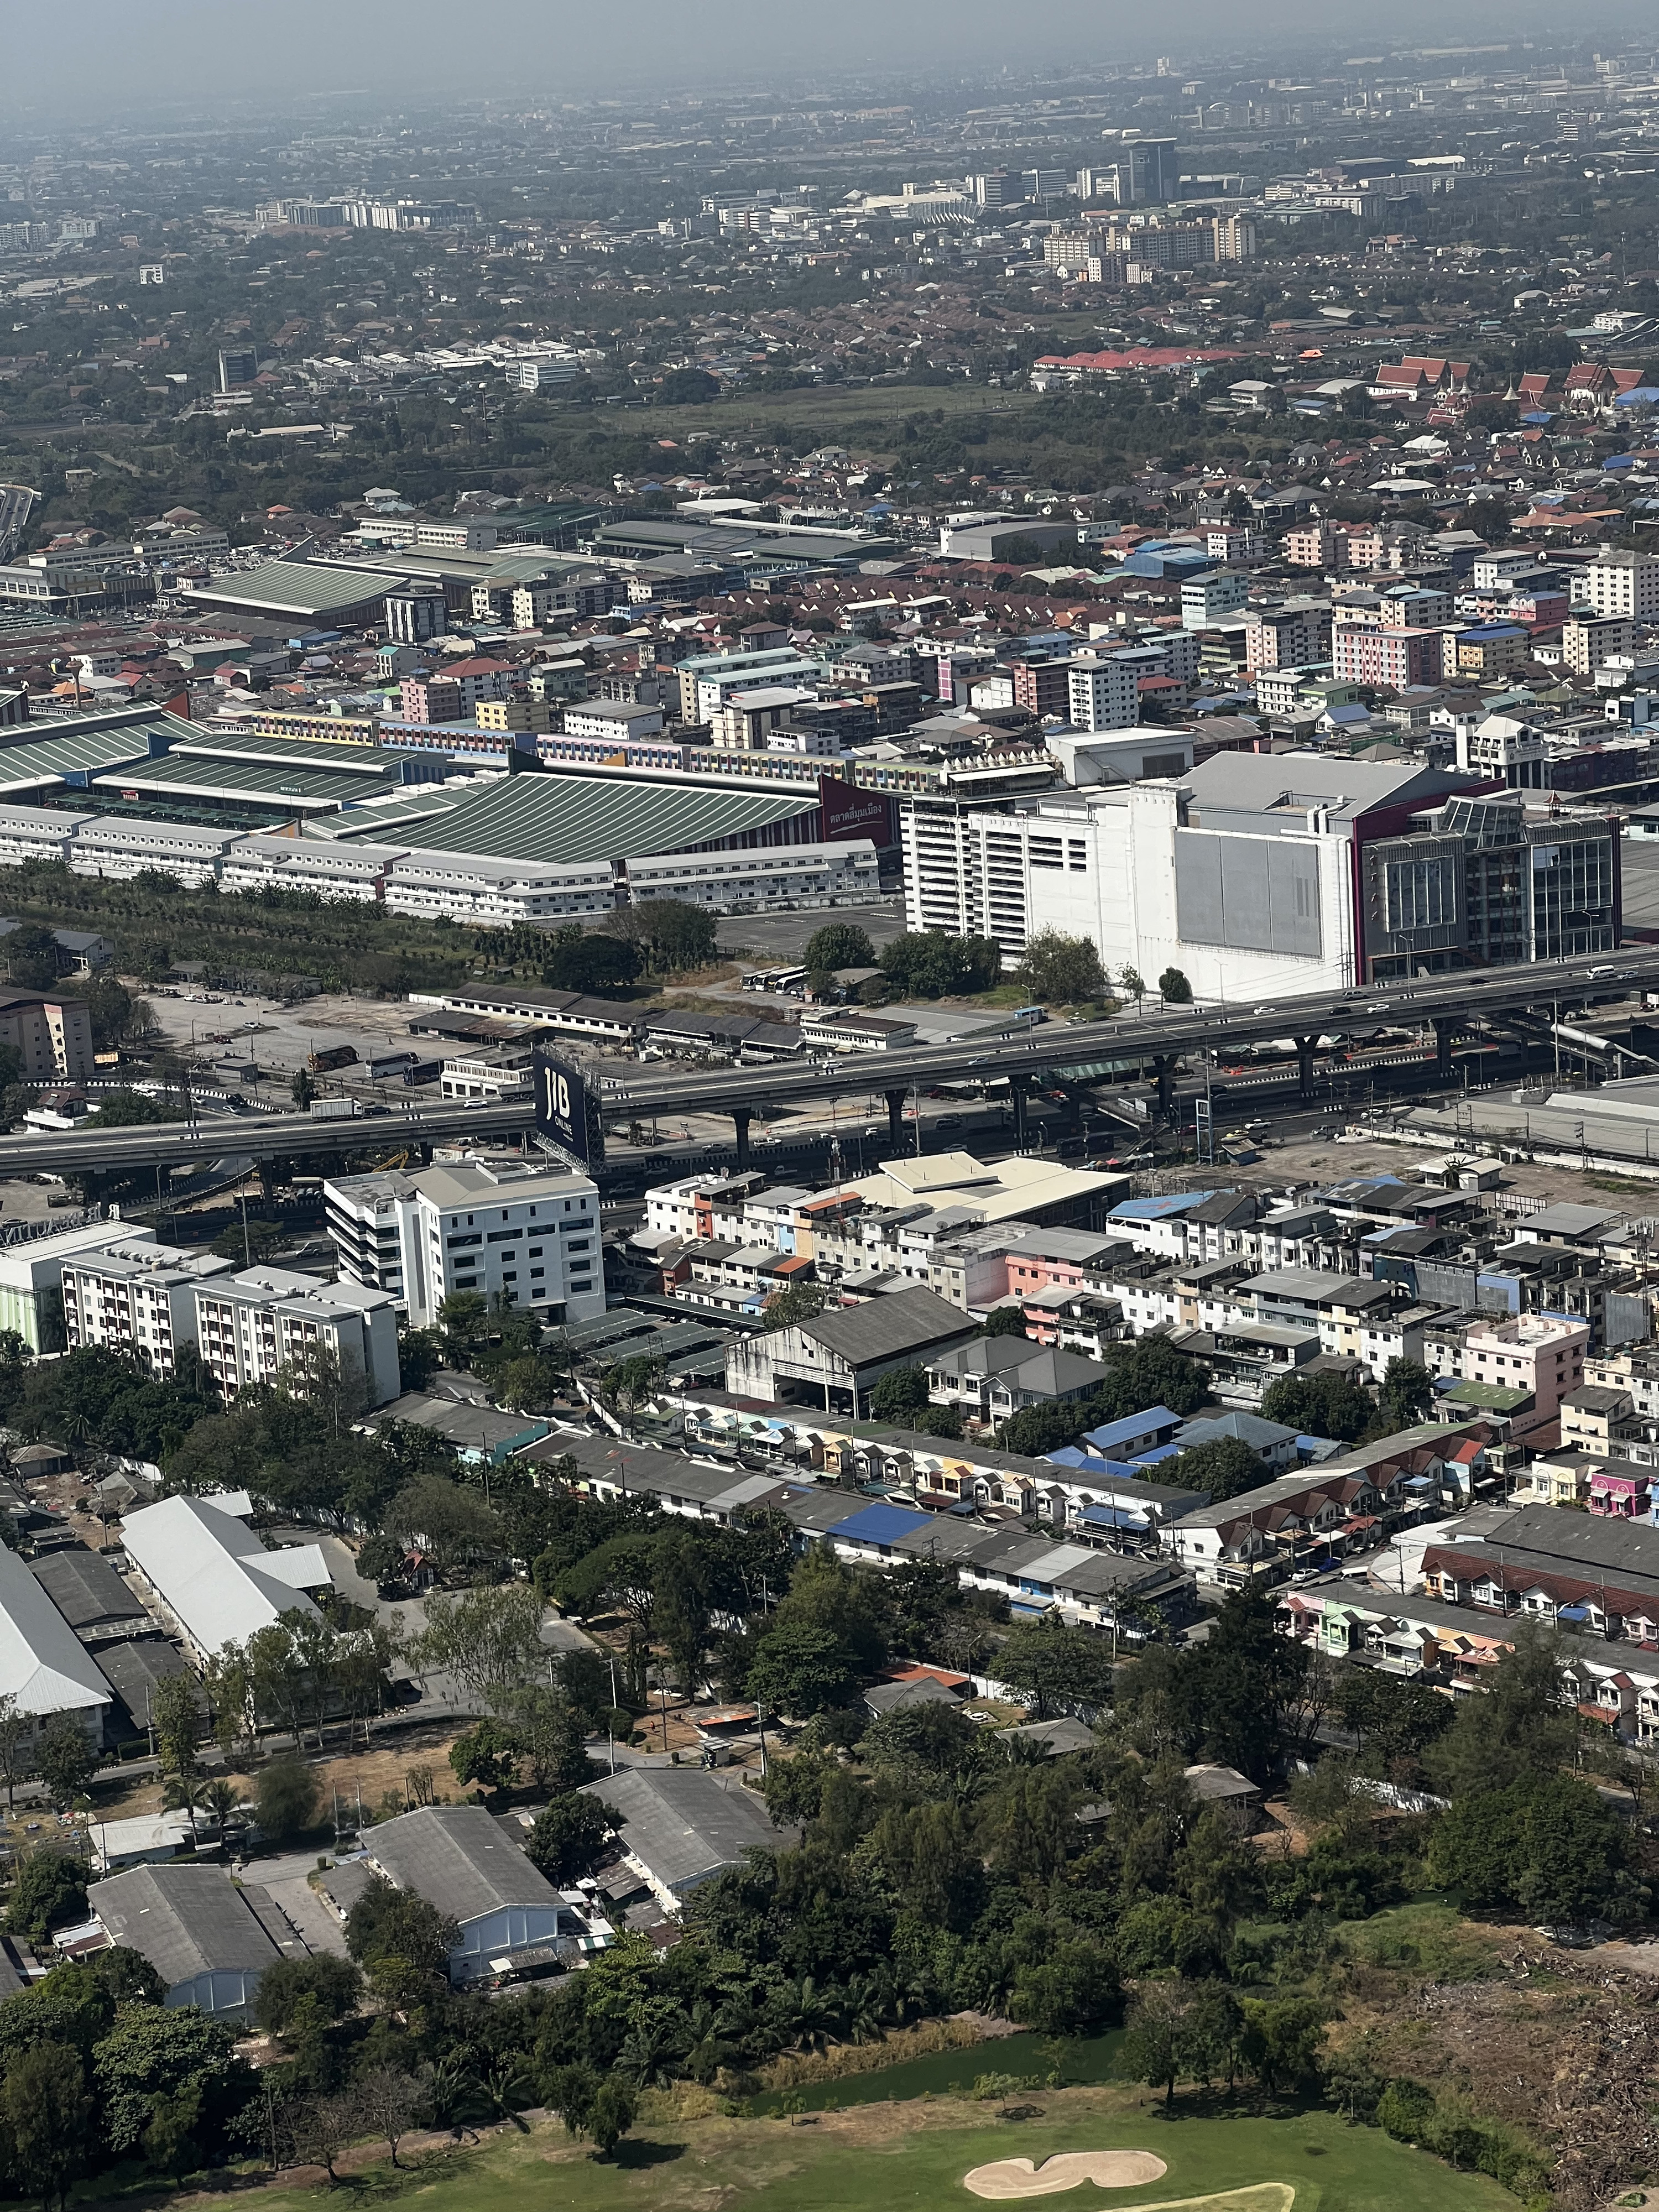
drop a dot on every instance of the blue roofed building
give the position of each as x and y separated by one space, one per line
1136 1434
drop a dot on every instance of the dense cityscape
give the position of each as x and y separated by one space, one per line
828 1273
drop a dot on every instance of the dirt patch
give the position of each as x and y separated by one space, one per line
1107 2169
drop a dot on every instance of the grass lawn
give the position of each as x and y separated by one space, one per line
914 2154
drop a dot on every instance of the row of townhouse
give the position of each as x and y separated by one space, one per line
1423 1637
1594 1574
1320 1515
1112 1500
1125 1593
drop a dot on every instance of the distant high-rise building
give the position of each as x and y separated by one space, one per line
152 272
413 616
997 188
1042 184
237 364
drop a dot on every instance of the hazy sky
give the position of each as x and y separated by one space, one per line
113 56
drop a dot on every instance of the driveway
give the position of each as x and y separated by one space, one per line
316 1924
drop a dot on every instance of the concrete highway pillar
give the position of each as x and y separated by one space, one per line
741 1117
1164 1067
895 1119
1304 1064
1445 1028
1017 1099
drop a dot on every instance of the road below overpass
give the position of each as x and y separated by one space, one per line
1157 1040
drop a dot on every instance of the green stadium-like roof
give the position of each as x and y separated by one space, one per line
296 587
91 743
238 779
579 818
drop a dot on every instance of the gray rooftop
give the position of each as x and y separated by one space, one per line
683 1824
187 1920
459 1860
887 1327
84 1587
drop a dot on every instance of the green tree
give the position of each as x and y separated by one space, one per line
673 935
801 1302
451 1521
1545 1846
1005 1320
48 2124
322 1984
1407 1393
590 960
1319 1406
1525 1721
1174 988
839 945
799 1670
1058 970
569 1838
1224 1465
1133 984
898 1395
65 1759
154 2051
612 2113
489 1639
170 2141
50 1892
286 1796
32 957
388 1922
1281 2041
1156 2048
933 964
487 1753
1048 1663
380 1559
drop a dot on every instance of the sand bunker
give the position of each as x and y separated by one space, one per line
1107 2169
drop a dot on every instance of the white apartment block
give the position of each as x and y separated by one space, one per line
1102 694
471 887
122 846
140 1300
1620 583
761 876
710 1206
37 833
325 867
251 1328
525 1235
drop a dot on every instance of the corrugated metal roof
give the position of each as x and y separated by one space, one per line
456 1858
294 587
275 779
879 1524
575 818
43 1663
186 1920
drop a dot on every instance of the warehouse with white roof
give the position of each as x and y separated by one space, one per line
43 1665
211 1574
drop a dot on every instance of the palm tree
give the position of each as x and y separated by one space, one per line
221 1800
649 2054
182 1793
504 2087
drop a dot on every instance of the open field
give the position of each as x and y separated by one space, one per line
917 2155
